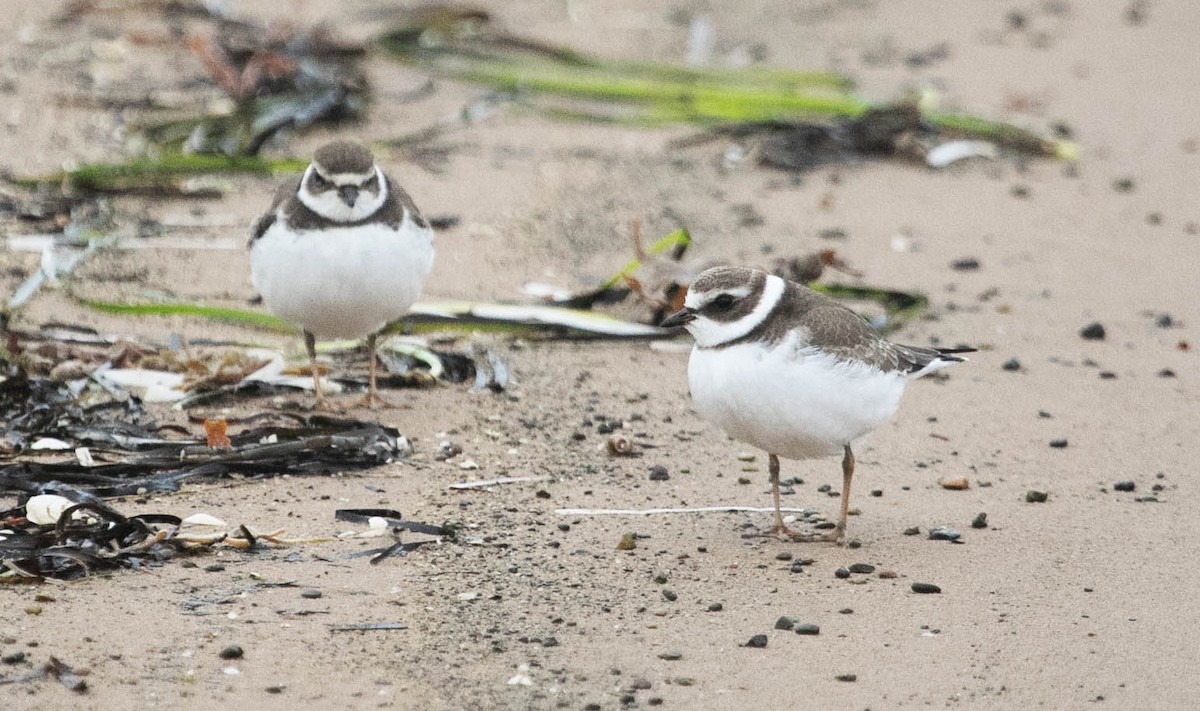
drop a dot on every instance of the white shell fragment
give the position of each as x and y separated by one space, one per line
203 519
50 443
949 152
46 509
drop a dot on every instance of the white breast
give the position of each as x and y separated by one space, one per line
344 282
792 401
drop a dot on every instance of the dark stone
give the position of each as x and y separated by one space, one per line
1058 443
783 555
233 651
846 611
944 533
659 473
542 494
841 573
564 527
980 520
785 623
912 531
214 568
966 264
1107 375
1123 185
1166 373
1036 497
1124 486
1011 364
846 677
925 588
876 492
578 436
862 568
808 629
671 595
1164 321
1092 332
758 641
716 607
310 594
13 658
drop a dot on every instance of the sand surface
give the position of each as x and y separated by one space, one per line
1084 601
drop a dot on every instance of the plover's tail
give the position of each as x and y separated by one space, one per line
918 361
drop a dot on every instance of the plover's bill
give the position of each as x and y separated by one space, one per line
342 251
793 372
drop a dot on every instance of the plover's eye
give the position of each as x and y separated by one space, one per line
722 302
372 183
318 180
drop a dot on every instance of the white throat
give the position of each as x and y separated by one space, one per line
330 206
708 332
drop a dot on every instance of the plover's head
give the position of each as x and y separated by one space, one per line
343 183
725 303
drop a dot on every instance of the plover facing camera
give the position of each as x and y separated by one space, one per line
342 252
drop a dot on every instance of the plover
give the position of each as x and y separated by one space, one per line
791 371
342 252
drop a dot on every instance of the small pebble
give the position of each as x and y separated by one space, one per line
1166 373
876 492
925 588
233 651
854 543
670 595
716 607
966 264
214 568
1148 499
1058 443
980 520
661 578
310 593
888 574
1164 321
1107 375
783 555
671 656
862 568
846 611
628 542
808 629
1011 364
659 473
958 484
785 623
1092 332
1034 496
912 531
1124 486
944 533
797 566
846 677
841 573
758 641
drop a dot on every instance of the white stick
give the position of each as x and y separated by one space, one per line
493 482
646 512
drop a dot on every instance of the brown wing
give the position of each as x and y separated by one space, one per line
285 192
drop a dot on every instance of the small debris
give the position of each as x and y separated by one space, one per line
912 531
671 656
1034 496
1058 443
944 533
846 677
233 651
758 641
958 484
966 264
980 520
1093 332
716 607
925 588
1124 486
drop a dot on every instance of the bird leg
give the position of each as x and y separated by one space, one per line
780 529
372 399
310 344
848 460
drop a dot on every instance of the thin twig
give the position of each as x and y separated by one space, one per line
493 482
647 512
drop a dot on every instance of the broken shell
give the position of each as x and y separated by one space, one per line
46 509
619 446
958 484
203 519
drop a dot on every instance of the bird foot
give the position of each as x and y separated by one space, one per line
781 532
374 401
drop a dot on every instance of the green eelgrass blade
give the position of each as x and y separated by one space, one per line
679 238
162 173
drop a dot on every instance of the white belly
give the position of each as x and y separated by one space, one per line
795 403
346 282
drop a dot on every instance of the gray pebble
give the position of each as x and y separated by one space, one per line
1093 331
671 656
1058 443
1036 497
1124 486
944 533
670 595
659 473
808 629
758 641
785 623
980 520
925 588
1011 364
310 593
233 651
863 568
841 573
912 531
716 607
846 677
